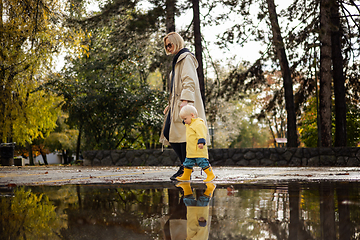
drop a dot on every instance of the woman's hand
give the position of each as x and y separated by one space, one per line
183 103
167 107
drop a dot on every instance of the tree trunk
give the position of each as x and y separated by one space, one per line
325 73
78 144
65 157
198 47
346 228
78 191
170 27
294 206
327 211
338 76
31 157
1 14
292 138
44 157
170 15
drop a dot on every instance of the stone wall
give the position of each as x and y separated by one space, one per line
230 157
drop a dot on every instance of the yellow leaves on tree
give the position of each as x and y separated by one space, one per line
30 34
28 216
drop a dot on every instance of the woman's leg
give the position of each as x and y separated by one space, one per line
180 150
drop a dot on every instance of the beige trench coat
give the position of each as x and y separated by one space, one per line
186 87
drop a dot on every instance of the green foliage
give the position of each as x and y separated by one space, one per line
28 216
105 84
308 125
353 125
113 117
65 140
251 135
62 139
236 128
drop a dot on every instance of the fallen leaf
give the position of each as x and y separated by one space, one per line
342 174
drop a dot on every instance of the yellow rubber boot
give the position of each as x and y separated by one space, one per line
210 188
186 175
210 174
186 188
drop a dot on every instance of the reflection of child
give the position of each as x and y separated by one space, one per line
196 149
197 211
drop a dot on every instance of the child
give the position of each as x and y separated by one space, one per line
196 149
198 212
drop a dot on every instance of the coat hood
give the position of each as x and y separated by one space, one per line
191 56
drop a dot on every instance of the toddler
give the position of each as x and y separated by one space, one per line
196 149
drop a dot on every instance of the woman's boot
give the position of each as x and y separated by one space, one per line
178 173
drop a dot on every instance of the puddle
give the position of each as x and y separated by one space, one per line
323 210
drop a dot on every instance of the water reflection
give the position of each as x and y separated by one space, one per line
194 220
296 211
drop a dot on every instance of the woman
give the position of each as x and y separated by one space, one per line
184 89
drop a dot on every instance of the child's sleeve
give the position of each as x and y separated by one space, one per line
201 132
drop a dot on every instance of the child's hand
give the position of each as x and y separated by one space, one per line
201 145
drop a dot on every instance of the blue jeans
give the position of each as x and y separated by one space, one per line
202 201
201 162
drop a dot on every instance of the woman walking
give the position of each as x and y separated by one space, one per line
184 89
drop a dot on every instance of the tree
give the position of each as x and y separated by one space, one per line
276 118
62 139
338 76
198 47
170 15
27 30
251 135
252 79
28 216
105 86
39 148
301 32
170 27
286 74
235 121
308 126
325 73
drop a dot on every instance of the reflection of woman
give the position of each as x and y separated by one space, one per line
184 89
175 226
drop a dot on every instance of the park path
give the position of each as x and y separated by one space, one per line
62 175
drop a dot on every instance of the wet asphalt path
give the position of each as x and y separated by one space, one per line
61 175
